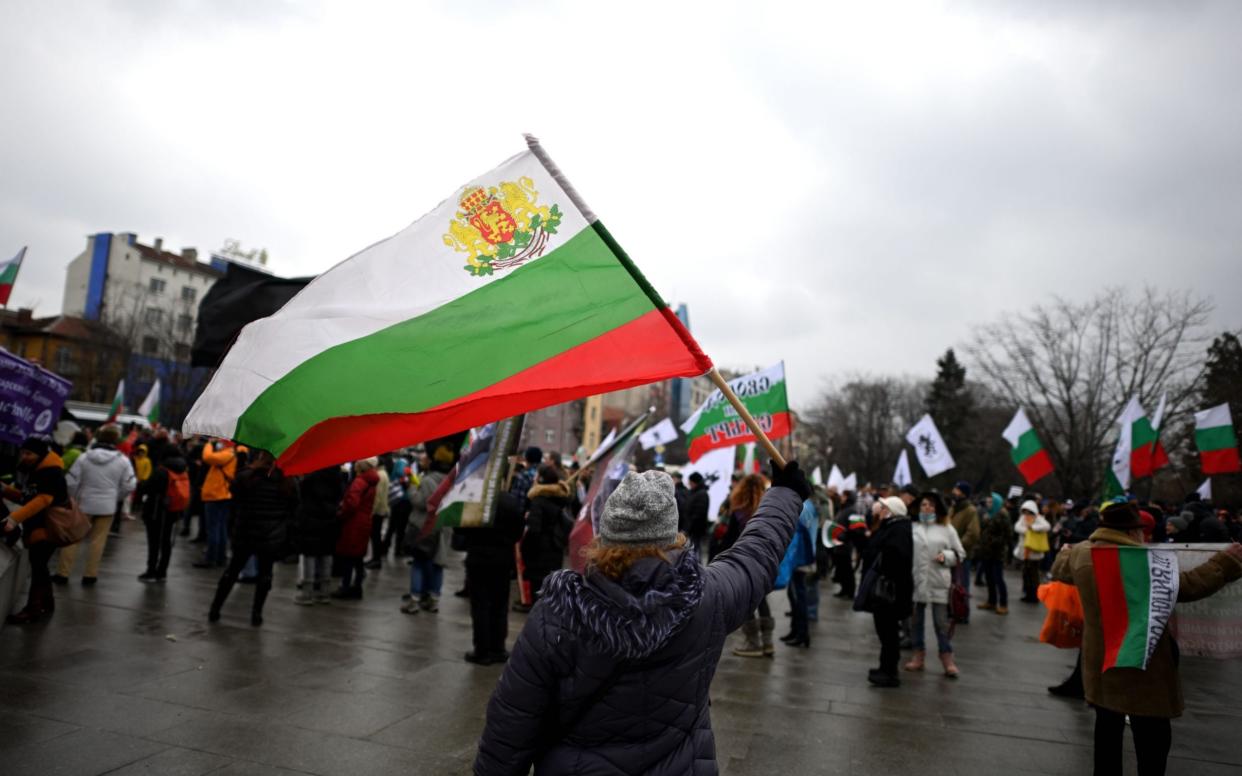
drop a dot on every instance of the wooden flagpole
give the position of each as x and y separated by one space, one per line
749 419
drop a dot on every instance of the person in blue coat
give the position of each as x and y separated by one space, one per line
612 671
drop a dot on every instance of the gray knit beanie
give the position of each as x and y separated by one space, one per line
642 510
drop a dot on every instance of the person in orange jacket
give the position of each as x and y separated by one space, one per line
220 458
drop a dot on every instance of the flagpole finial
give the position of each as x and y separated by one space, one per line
533 144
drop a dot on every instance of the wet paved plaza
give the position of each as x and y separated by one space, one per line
129 678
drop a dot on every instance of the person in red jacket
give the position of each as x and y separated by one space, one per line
355 513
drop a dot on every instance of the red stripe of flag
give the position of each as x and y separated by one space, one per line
1036 467
1224 461
1114 613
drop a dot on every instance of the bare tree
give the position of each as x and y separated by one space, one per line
860 425
1073 366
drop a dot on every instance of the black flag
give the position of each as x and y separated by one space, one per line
241 296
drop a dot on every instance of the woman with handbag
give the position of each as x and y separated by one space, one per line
937 551
888 583
43 488
1032 529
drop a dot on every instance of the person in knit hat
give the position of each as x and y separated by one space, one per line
612 670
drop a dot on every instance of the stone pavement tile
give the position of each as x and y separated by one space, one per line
339 679
89 708
356 716
174 761
80 753
303 750
23 729
199 688
453 730
1183 767
243 768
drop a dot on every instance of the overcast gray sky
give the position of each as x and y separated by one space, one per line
846 186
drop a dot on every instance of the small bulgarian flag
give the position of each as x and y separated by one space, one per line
150 407
510 296
1142 442
8 275
1027 452
118 403
1216 440
716 424
1137 588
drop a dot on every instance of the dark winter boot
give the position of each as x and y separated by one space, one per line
262 586
222 593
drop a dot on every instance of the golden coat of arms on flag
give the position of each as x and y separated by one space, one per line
502 226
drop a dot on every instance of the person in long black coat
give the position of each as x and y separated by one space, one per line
611 674
893 545
263 503
490 564
314 531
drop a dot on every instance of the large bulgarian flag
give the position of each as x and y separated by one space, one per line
508 297
1137 588
1217 441
1027 451
716 424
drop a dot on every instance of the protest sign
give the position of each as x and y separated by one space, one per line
30 399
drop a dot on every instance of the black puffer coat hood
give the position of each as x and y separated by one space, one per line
612 676
632 617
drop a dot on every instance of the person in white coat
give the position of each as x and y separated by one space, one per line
1027 549
99 478
937 551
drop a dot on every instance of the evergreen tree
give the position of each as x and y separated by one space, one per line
1222 383
952 407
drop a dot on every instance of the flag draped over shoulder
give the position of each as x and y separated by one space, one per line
716 424
508 297
1137 588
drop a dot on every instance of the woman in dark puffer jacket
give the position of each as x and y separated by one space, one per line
612 671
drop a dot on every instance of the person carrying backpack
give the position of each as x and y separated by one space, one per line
543 546
168 497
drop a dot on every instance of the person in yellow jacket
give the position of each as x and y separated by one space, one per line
220 458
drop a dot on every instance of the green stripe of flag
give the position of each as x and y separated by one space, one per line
1028 445
1136 581
574 294
1218 438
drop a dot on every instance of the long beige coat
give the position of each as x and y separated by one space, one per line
1157 691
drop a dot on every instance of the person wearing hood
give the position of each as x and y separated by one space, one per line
892 546
220 460
1032 529
1149 697
168 496
611 672
264 502
43 486
995 538
937 551
547 531
100 478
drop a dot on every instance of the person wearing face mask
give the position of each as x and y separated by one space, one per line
1150 697
937 551
891 546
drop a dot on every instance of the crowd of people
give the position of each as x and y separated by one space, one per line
665 582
